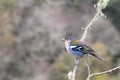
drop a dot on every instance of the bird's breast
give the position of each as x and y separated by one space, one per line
74 53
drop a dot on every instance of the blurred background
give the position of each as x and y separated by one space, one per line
31 33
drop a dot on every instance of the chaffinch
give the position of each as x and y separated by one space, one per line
78 49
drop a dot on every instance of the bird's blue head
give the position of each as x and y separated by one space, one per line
68 38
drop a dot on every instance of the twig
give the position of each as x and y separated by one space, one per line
75 68
98 14
82 39
88 26
88 68
104 72
74 72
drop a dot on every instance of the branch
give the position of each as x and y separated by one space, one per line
99 6
88 68
75 68
74 72
104 72
88 26
71 75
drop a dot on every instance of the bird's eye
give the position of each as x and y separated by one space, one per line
67 39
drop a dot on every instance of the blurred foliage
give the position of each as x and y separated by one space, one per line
40 1
104 77
97 66
62 65
7 4
15 69
113 11
5 26
74 3
30 45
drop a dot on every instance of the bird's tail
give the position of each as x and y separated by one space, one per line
98 57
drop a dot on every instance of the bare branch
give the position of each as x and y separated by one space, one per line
98 14
88 68
88 26
104 72
75 68
74 72
82 39
101 5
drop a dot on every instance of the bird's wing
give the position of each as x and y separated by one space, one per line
87 48
80 47
77 46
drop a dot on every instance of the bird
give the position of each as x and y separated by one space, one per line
78 49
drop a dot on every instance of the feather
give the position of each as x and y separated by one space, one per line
98 57
77 48
75 42
85 49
